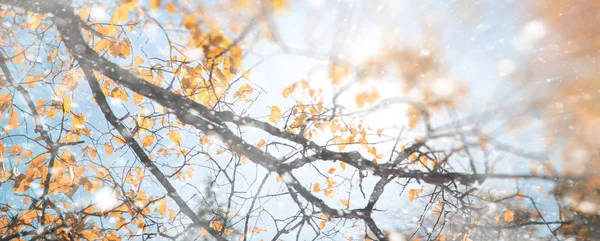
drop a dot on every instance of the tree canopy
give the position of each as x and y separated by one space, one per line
293 120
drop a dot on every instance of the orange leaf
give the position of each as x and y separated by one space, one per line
38 161
328 193
154 4
189 21
108 148
339 71
5 100
509 216
119 93
66 104
162 206
13 121
137 98
138 60
343 165
322 225
260 144
316 187
102 45
203 233
148 140
78 121
120 223
2 150
175 137
331 171
15 150
413 193
345 202
275 114
171 8
172 214
288 91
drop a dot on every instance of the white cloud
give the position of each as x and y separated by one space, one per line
99 13
505 67
105 199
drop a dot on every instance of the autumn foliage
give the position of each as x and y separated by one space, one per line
135 119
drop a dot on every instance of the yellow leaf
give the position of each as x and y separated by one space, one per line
316 187
339 71
20 58
101 45
172 214
243 92
66 104
137 98
30 81
138 60
122 12
509 216
275 114
162 206
288 91
342 146
278 5
171 8
278 178
322 225
175 137
345 202
148 140
189 21
78 121
90 151
413 193
119 93
154 4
